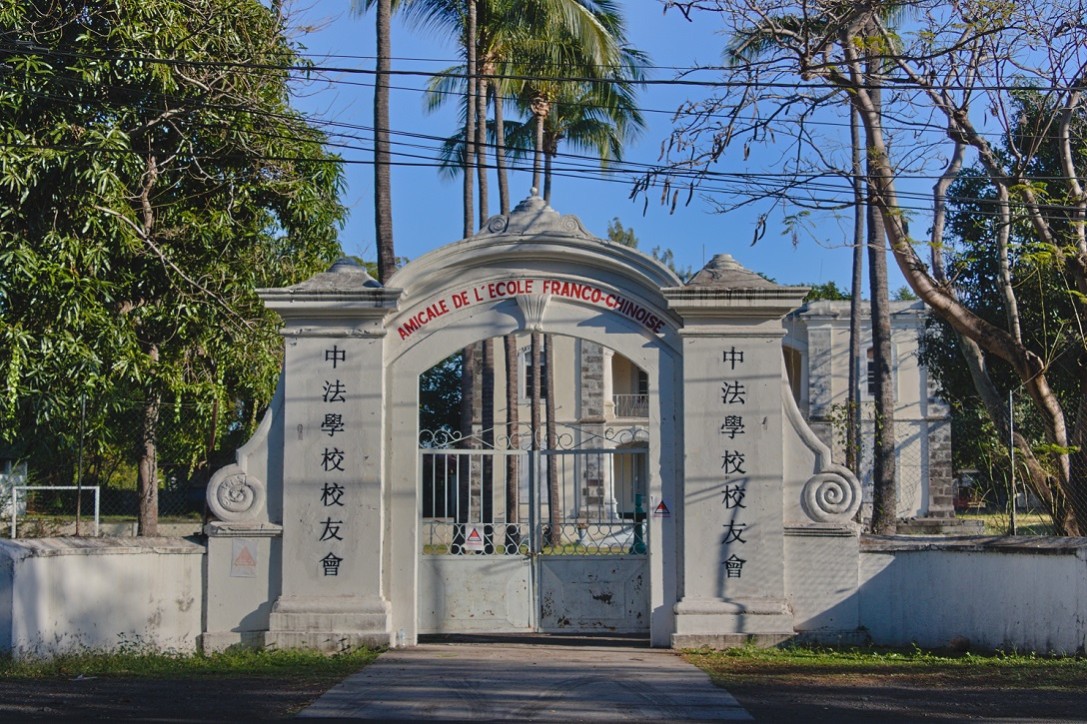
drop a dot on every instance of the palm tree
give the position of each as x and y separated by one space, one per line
544 41
383 212
540 39
596 118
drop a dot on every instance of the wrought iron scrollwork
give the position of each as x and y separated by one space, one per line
568 437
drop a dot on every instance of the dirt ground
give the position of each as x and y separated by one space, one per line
866 699
904 701
191 699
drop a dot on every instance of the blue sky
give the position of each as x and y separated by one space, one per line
427 208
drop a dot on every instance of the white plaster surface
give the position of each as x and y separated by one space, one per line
238 604
64 594
821 583
488 594
818 335
1014 594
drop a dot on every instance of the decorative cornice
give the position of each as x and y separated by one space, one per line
346 290
724 284
533 217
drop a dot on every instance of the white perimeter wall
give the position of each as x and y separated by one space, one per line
63 594
1025 594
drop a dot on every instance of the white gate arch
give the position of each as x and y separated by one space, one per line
532 271
750 528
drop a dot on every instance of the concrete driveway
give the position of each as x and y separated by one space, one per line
530 682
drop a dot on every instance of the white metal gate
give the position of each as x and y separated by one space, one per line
517 540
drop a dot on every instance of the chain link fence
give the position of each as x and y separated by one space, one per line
95 490
1016 490
1003 505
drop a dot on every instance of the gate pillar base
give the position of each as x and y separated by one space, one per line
328 623
728 623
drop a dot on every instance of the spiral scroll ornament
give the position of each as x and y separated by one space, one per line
829 497
497 224
233 495
571 225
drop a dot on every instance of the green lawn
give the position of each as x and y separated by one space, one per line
844 667
135 663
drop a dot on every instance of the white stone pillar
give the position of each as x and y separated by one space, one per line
732 556
332 595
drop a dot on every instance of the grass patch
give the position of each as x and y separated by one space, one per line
1000 523
302 665
880 667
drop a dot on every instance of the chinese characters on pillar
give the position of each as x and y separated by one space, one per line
733 460
331 496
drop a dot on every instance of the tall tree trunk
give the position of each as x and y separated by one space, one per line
468 381
470 120
147 483
534 412
885 493
853 423
500 154
540 109
487 371
487 423
509 344
513 482
383 210
464 462
554 496
547 177
481 148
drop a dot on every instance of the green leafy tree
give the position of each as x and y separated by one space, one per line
1045 300
626 236
828 291
153 175
761 39
959 70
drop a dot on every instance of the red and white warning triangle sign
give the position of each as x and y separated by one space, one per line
245 558
661 511
473 541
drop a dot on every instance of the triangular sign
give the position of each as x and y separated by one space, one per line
662 510
474 537
245 558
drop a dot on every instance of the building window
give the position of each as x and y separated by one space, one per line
871 372
527 378
870 385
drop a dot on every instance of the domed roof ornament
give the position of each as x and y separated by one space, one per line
533 217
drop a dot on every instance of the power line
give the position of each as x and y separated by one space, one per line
631 169
25 49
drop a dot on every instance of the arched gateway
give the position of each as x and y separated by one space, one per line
719 518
